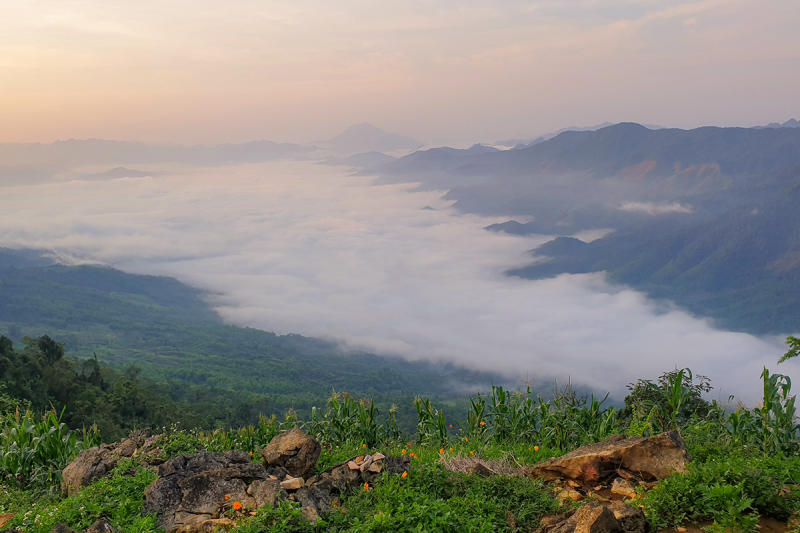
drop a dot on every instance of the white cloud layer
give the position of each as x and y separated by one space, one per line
296 247
653 209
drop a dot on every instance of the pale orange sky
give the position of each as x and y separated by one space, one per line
442 71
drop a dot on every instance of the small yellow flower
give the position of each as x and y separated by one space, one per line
471 452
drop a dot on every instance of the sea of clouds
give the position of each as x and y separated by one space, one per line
311 249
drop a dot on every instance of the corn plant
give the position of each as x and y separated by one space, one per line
346 419
431 427
514 416
477 413
779 427
34 449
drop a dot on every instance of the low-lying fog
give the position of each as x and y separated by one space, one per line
310 249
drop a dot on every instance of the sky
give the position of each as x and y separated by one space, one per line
297 247
445 71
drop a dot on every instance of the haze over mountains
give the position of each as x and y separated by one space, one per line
394 259
706 217
24 162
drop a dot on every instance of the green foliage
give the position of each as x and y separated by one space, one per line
432 498
119 498
794 349
670 401
34 449
347 419
249 438
732 489
431 425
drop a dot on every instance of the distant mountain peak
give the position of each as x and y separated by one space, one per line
366 137
791 123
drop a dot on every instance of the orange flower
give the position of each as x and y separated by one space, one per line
451 449
366 486
408 444
405 474
227 496
451 425
363 445
237 506
483 423
251 454
471 452
466 439
441 450
403 450
536 448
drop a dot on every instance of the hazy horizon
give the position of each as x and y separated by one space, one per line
450 73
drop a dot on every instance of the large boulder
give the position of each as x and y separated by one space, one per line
193 491
653 457
95 463
293 450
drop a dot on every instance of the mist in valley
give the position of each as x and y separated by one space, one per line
293 246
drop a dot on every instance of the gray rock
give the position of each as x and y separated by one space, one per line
95 463
293 450
190 495
101 526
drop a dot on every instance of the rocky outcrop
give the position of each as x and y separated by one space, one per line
95 463
193 490
591 518
653 457
195 493
293 450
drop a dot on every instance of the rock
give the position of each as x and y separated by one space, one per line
570 494
101 526
189 495
320 491
624 474
266 492
61 528
623 487
630 518
293 450
614 518
653 457
95 463
292 483
478 468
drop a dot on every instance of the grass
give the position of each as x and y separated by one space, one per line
746 463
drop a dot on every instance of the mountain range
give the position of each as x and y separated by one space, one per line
707 217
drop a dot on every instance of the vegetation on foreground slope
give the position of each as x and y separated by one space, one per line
746 463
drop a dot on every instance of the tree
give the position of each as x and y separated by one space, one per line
794 349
